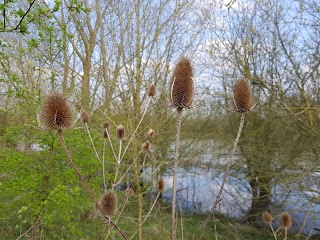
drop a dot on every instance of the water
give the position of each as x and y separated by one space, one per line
198 187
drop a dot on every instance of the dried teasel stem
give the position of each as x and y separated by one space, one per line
181 94
226 172
85 185
92 143
175 170
106 134
135 131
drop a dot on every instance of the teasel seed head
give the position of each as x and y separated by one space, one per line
84 117
120 132
242 96
105 129
145 147
56 112
129 192
150 134
285 220
152 90
182 85
267 217
160 185
108 203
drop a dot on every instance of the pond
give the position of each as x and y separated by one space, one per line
198 186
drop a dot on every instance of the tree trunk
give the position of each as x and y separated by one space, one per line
261 197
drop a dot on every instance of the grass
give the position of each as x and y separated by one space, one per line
157 226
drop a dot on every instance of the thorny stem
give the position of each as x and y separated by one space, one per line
85 185
109 139
226 171
131 138
175 169
274 234
94 148
118 162
97 155
285 233
103 167
116 221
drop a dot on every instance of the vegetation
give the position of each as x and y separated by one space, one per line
110 127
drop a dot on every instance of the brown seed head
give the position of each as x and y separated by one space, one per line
105 129
145 146
129 191
120 132
243 99
182 86
267 217
150 134
56 113
160 185
84 117
151 90
285 220
108 203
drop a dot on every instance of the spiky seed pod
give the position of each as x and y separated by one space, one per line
182 86
129 192
243 99
56 112
120 132
151 90
145 147
267 217
160 185
105 129
109 203
84 117
106 125
150 134
285 220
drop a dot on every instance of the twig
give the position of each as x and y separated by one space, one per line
21 19
175 169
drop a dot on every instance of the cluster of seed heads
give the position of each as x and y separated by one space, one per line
285 219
